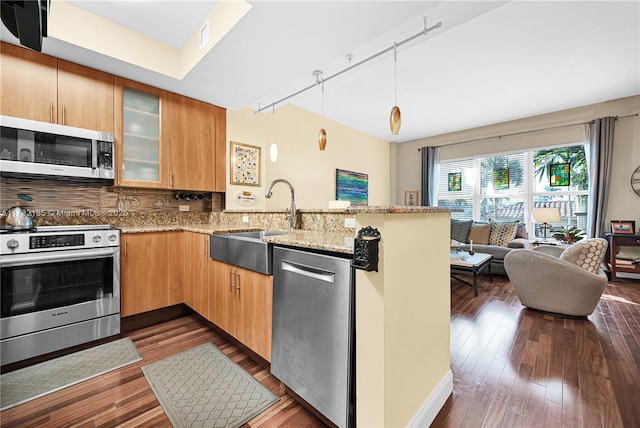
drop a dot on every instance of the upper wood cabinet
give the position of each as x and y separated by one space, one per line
194 133
39 87
168 141
85 97
140 142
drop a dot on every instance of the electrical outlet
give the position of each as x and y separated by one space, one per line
350 223
245 219
184 207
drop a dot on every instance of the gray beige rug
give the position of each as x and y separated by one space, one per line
202 387
23 385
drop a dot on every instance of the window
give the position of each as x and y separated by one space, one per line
506 187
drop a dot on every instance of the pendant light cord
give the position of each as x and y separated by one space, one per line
395 73
322 106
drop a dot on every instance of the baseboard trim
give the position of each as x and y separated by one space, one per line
429 410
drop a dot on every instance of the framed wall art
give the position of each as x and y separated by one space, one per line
623 227
411 198
245 164
559 174
353 187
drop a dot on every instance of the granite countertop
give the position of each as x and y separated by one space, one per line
395 209
311 239
316 240
205 228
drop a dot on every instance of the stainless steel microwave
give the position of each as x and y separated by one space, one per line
29 147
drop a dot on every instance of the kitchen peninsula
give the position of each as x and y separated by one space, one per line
402 311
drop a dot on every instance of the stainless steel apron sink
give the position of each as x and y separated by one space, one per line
244 249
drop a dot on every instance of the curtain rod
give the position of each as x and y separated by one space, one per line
531 131
319 80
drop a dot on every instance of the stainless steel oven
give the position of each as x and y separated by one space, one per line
60 287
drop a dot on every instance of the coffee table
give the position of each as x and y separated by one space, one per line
473 265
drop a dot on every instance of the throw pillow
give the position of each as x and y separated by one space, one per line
587 254
460 229
479 233
521 231
502 233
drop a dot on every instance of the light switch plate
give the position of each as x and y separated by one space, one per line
184 207
245 219
350 223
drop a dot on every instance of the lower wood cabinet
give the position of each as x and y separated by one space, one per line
241 303
192 260
160 269
147 279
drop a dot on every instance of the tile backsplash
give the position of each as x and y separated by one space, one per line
59 198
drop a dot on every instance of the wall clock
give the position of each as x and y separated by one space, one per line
635 181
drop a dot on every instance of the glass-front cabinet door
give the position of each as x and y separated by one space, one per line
140 149
140 136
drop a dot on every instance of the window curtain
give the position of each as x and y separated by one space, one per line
430 172
599 148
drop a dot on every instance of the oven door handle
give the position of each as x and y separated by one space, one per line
30 259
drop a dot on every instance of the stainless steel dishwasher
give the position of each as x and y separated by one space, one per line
313 331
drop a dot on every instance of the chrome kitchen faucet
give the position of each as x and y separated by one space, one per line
292 215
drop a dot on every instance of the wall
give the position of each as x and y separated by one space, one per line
623 202
309 170
403 322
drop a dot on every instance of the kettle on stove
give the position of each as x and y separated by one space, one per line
18 217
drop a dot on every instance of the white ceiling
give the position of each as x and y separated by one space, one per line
489 62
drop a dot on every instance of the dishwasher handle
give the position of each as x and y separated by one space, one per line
308 271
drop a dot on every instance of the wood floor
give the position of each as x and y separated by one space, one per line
124 398
512 367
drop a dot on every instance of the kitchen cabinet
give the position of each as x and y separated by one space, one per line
140 147
40 87
192 258
165 140
194 130
146 266
241 303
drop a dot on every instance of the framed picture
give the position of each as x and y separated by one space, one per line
501 178
455 181
411 198
559 174
352 186
623 227
245 164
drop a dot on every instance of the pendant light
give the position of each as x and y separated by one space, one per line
322 134
273 149
395 119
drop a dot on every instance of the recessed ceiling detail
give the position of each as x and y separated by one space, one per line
145 48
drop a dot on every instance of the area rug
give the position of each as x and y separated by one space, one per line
25 384
202 387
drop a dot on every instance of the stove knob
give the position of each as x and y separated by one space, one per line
97 238
113 237
13 244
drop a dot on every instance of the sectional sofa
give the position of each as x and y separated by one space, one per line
495 238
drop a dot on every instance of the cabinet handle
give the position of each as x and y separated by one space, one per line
170 179
125 245
63 109
231 280
205 246
238 284
51 111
